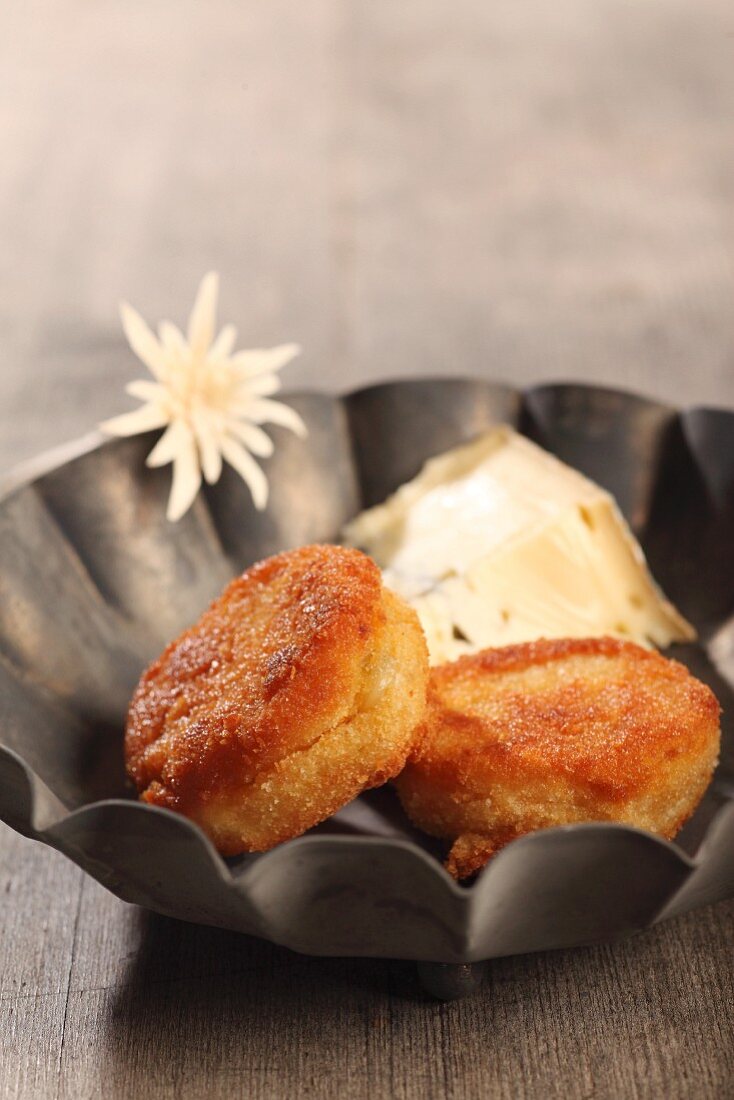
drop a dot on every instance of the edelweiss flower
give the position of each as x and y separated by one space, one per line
209 400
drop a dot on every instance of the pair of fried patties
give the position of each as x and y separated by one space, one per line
307 682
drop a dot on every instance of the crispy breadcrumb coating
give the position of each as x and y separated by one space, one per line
299 687
555 732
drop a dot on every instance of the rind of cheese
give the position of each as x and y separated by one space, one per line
498 542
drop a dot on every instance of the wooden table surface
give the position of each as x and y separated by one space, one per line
528 191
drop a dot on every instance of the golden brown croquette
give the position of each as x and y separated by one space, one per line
555 732
299 687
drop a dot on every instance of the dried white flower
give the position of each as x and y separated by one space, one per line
209 400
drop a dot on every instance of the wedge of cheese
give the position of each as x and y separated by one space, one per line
498 542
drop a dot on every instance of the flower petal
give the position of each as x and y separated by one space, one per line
263 360
142 340
248 470
173 340
144 419
254 438
186 480
176 437
146 391
204 315
222 346
275 412
263 385
208 442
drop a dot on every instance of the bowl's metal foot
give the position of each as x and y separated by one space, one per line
450 981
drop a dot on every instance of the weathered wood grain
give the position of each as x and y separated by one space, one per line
160 1008
39 913
530 191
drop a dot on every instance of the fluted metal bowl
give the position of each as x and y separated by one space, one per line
94 581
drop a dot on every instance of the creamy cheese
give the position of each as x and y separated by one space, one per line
498 542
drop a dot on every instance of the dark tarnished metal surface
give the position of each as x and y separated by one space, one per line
94 581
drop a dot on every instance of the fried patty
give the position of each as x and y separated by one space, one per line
299 687
555 732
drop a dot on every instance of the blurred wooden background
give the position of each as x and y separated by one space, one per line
528 191
531 190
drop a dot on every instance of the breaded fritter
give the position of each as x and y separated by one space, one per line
555 732
301 686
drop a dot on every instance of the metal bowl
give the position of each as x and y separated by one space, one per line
94 581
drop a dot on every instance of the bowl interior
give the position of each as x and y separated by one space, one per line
94 581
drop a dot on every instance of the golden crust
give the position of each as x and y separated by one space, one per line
300 686
554 732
